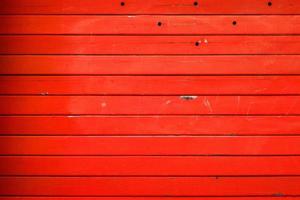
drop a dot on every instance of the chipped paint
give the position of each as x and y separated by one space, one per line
187 98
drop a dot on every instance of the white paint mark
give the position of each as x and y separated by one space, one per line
168 102
103 105
249 107
208 104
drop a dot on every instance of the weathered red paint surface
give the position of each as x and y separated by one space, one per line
151 65
149 7
155 100
150 165
149 186
150 145
163 105
151 24
150 85
149 45
149 125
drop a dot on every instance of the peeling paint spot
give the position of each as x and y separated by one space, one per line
44 93
188 98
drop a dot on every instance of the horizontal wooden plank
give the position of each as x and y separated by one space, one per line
149 166
155 24
149 45
158 145
150 85
167 65
150 125
155 186
111 105
151 7
148 198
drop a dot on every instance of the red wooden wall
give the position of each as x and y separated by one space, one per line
155 100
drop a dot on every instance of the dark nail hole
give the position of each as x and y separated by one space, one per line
122 3
270 3
197 43
234 23
195 3
159 24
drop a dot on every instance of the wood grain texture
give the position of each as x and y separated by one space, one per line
149 7
150 186
149 45
145 65
149 166
150 85
150 125
156 105
154 24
